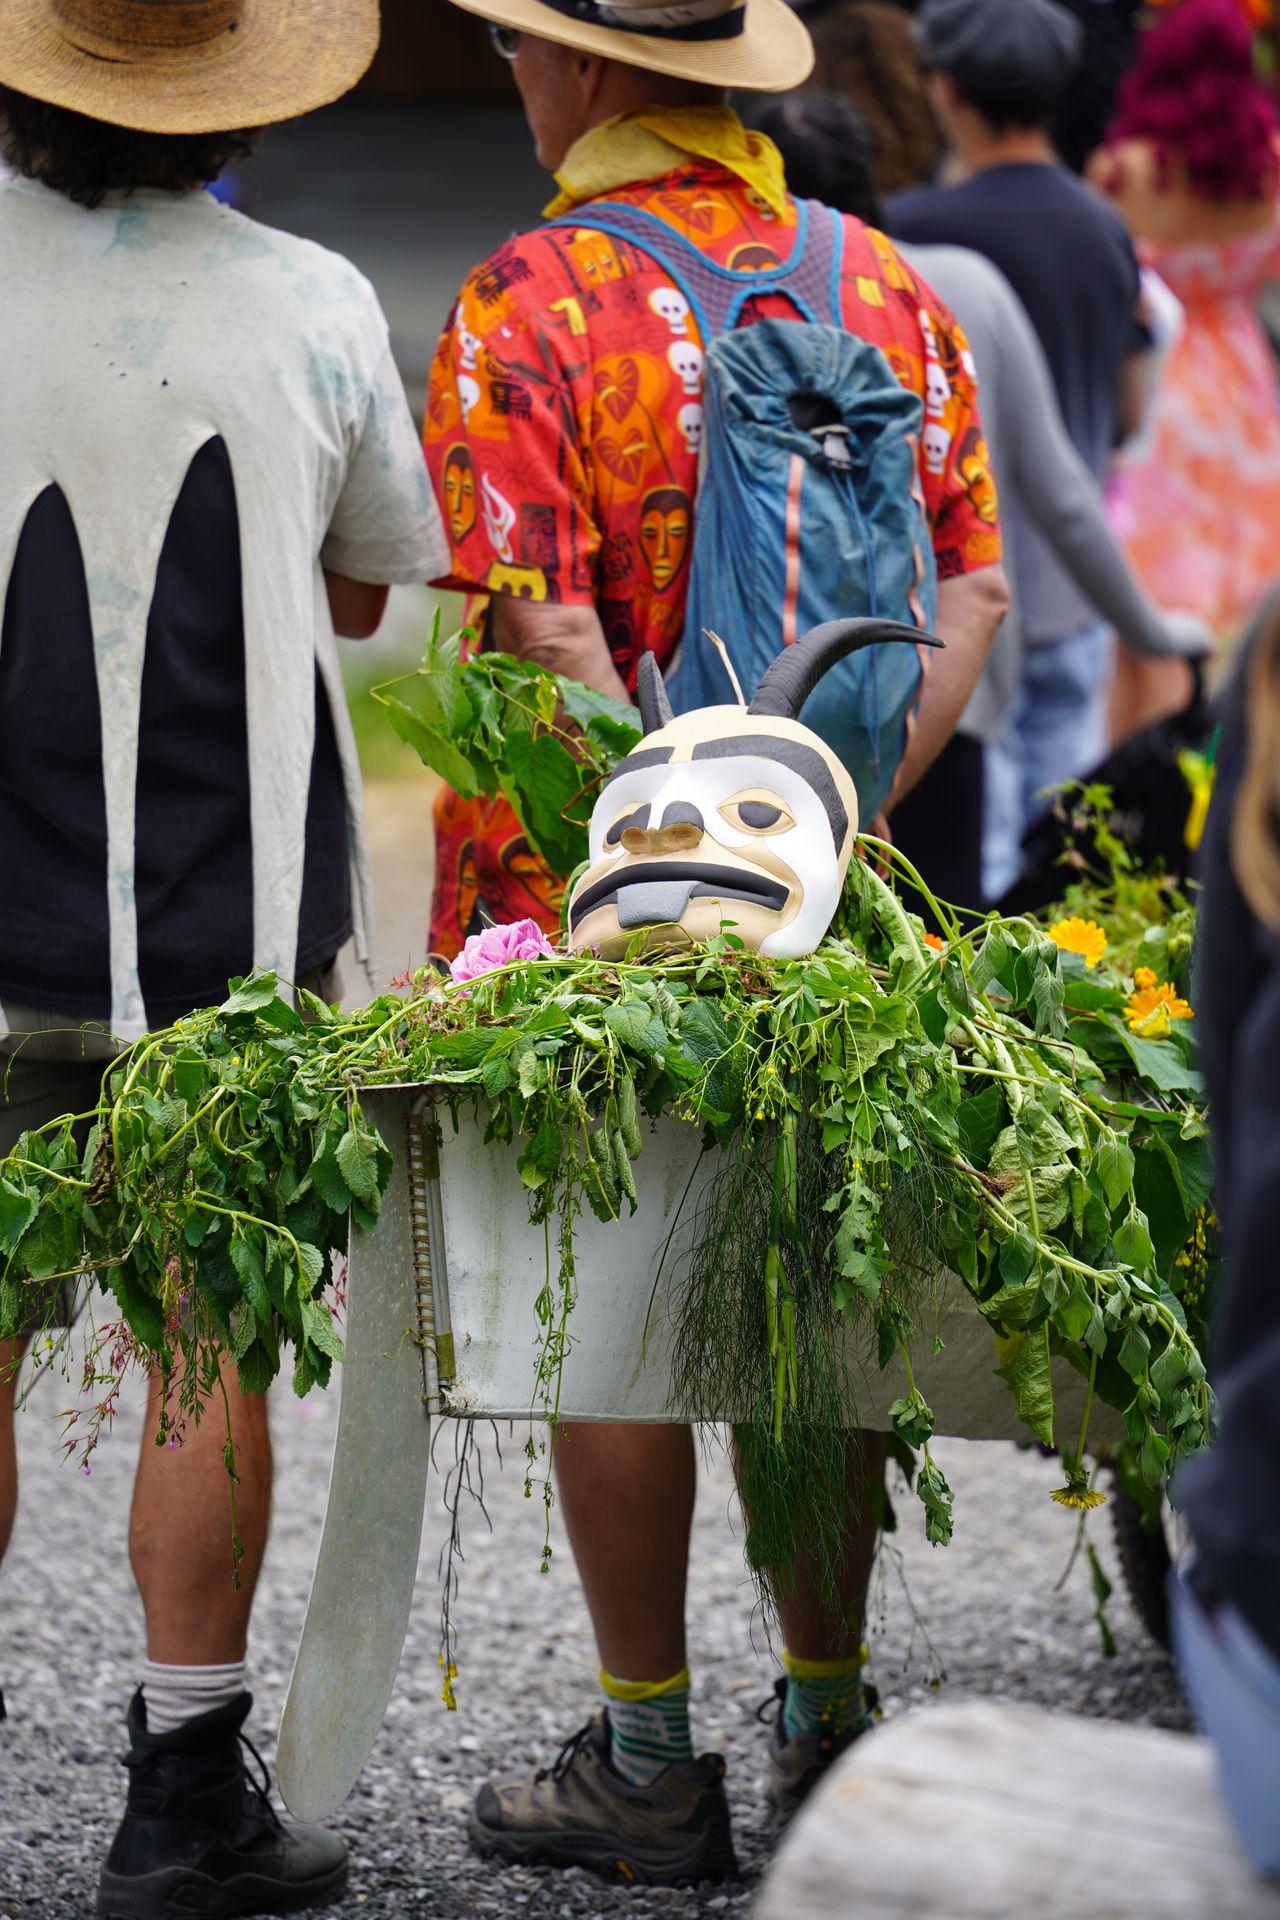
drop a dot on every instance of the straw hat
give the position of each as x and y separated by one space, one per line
758 45
187 66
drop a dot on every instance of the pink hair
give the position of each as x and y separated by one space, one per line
1194 96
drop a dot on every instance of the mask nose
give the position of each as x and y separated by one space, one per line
681 830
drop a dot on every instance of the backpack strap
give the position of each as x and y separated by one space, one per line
810 278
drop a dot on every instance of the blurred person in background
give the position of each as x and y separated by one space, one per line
1227 1604
1190 162
866 51
1084 106
1043 485
998 69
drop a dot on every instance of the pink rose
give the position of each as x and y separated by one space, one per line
496 946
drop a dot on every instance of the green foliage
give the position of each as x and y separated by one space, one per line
983 1108
494 724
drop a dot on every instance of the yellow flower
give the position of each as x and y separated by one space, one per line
934 941
1151 1008
1084 937
1081 1498
1145 977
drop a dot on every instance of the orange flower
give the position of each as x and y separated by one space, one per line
1084 937
1144 977
1151 1009
934 942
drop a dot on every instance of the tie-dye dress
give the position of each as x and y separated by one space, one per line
1197 507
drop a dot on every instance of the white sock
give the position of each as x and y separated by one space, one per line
174 1695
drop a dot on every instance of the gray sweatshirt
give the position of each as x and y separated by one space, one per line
1041 479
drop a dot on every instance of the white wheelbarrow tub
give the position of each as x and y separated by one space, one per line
441 1322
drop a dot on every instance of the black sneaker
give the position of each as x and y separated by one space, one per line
200 1836
796 1766
582 1813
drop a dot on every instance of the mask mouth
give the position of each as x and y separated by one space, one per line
657 893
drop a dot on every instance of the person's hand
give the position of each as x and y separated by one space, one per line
1187 637
878 828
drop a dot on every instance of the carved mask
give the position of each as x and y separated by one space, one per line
726 814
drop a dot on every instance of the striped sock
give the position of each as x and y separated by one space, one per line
648 1724
174 1695
822 1693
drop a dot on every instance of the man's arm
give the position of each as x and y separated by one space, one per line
356 606
565 640
970 609
1135 390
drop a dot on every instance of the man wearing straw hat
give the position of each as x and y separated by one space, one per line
564 427
207 469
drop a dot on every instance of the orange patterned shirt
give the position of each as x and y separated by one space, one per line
563 421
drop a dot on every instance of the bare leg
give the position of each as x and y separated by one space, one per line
811 1628
11 1352
180 1531
627 1493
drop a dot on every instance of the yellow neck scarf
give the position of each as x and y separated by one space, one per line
651 141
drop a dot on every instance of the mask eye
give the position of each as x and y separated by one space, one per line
638 817
757 812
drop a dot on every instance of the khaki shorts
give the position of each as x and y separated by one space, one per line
51 1064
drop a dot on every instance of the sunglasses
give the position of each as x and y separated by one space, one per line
506 40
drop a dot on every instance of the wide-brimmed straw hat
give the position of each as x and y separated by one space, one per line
187 66
759 45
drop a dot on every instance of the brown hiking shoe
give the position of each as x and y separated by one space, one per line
796 1766
582 1813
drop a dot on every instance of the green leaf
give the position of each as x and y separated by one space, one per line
1017 1258
17 1211
247 1261
629 1020
935 1496
357 1158
1015 1306
611 723
993 961
532 1073
434 748
912 1418
1086 995
980 1118
320 1330
1114 1163
1075 1314
1153 1460
1134 1349
1133 1241
190 1076
1162 1064
257 1368
51 1245
1168 1371
326 1177
312 1262
1026 1367
251 995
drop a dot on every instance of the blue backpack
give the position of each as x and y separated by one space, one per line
809 504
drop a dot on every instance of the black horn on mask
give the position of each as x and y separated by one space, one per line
651 692
786 685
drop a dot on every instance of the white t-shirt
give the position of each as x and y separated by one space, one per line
131 335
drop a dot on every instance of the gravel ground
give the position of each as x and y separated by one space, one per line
989 1605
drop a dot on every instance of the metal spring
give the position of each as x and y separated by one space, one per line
419 1229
